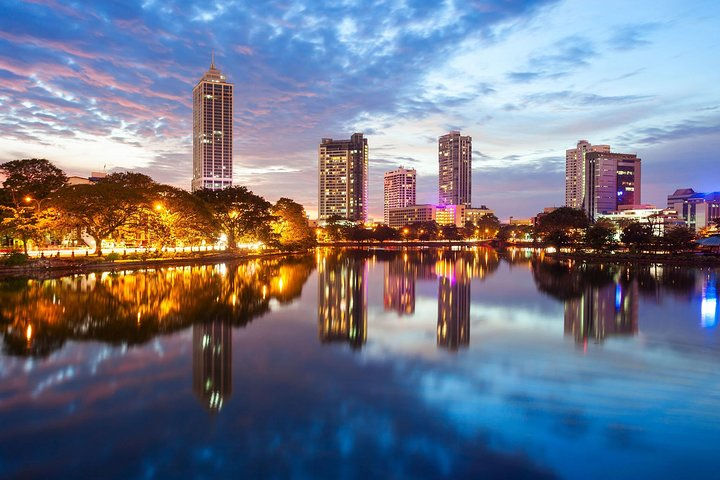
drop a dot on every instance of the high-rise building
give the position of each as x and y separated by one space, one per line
399 191
212 131
343 178
575 172
455 162
612 181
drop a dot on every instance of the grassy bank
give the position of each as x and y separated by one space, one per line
39 268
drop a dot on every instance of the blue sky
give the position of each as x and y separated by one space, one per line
89 84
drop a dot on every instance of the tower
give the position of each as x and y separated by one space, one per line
343 178
575 172
212 131
399 190
455 165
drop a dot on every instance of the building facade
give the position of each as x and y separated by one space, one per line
455 169
399 217
212 131
697 209
343 178
399 190
612 181
575 171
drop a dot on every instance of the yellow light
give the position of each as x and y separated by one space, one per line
158 206
28 332
28 199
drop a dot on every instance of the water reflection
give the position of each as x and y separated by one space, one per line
709 311
342 297
130 308
212 363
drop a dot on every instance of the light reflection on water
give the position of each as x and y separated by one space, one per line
407 363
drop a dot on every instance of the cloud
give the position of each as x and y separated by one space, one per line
630 37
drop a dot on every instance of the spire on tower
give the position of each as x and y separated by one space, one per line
212 59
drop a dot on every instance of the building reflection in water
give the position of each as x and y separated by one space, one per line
212 363
453 323
399 285
604 310
342 298
709 311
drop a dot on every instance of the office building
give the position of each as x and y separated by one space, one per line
612 181
455 169
399 190
343 178
697 209
399 217
575 171
212 131
474 215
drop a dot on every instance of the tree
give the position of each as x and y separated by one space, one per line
240 214
678 237
28 184
32 179
99 209
291 225
177 216
636 235
600 235
487 226
571 221
450 232
384 232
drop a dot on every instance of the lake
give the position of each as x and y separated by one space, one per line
345 364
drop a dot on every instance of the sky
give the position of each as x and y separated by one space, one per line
94 85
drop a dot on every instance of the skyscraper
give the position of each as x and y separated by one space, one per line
455 162
212 131
399 192
343 178
612 180
575 172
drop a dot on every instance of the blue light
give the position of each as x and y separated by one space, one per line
618 297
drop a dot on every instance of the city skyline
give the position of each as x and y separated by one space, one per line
95 85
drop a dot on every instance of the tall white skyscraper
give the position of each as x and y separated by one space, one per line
575 172
399 191
212 131
455 176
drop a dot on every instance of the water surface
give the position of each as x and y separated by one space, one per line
363 364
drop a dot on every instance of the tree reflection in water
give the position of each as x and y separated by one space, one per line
130 308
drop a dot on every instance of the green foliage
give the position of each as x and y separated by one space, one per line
679 237
240 214
291 225
34 179
636 235
113 256
16 259
487 226
600 236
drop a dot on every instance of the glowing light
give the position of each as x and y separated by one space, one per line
28 332
709 303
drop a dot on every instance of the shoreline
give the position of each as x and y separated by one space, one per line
687 260
39 269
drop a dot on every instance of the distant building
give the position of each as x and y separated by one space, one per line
93 178
455 169
473 215
212 131
575 172
660 219
450 215
343 178
612 180
697 209
399 190
399 217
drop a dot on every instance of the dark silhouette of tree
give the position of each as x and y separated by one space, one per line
600 235
637 235
679 237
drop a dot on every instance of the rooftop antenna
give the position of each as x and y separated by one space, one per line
212 59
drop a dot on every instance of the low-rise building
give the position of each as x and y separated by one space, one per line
659 218
698 210
450 215
399 217
473 215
